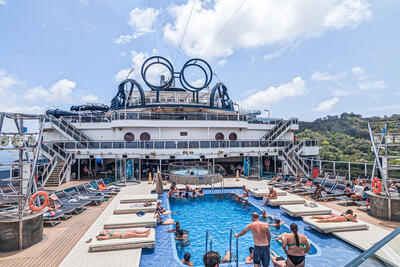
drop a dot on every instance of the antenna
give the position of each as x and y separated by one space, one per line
130 72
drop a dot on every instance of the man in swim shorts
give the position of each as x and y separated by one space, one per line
262 238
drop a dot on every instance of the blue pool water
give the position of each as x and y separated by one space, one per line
190 171
219 213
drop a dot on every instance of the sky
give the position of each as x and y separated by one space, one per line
298 58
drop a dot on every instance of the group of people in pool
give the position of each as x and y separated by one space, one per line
187 192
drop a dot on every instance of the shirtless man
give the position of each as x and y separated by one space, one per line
262 238
271 195
122 234
245 195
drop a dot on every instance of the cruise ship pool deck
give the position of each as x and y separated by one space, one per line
217 213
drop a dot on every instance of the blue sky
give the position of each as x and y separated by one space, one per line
304 59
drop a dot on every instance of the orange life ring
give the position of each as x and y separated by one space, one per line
44 194
376 186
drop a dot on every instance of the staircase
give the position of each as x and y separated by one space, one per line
279 129
68 130
291 156
53 179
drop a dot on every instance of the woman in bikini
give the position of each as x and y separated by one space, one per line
161 210
122 234
296 247
344 217
161 220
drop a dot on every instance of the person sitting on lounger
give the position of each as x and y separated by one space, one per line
186 259
277 223
347 191
358 193
52 206
309 182
271 195
277 260
250 259
161 220
318 191
122 234
344 217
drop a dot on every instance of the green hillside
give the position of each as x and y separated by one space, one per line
343 138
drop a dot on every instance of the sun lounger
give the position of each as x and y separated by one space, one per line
286 200
108 191
130 220
262 192
330 227
139 198
128 243
73 192
362 205
134 207
299 210
65 200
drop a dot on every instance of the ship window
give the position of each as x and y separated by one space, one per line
219 136
144 136
232 136
129 137
184 133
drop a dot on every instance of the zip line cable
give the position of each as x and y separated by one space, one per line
223 28
184 32
154 38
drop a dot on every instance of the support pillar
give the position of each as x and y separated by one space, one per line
79 169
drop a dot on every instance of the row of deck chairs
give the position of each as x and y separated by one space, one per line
334 189
8 194
76 199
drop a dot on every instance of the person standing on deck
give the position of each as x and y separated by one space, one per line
262 238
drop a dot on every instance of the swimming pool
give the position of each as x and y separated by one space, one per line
190 171
218 213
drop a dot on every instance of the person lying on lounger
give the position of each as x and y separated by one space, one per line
277 260
161 221
122 234
271 195
344 217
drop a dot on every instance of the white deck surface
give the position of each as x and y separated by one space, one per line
80 256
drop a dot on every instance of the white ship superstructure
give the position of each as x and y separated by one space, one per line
145 130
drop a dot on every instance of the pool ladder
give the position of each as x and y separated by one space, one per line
209 240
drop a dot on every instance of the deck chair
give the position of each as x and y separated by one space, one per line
74 192
97 197
92 189
67 201
363 205
8 193
101 182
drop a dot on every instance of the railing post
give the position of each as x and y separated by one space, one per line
230 246
237 252
206 241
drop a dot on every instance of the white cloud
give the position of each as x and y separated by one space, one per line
3 2
122 54
137 59
141 20
340 92
264 98
90 98
357 71
222 62
325 76
7 80
60 91
258 23
326 105
369 85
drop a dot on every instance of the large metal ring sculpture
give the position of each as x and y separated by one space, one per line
153 61
204 67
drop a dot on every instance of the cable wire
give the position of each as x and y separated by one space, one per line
223 28
153 34
184 32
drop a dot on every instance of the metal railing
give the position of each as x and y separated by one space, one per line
44 176
65 167
288 161
70 130
44 147
302 164
170 144
232 233
208 237
279 128
61 153
375 248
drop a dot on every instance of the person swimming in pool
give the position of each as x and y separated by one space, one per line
271 195
277 260
296 246
200 192
344 217
186 259
250 259
277 223
172 190
122 234
188 188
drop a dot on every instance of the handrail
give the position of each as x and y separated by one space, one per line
289 161
46 173
237 247
66 164
208 235
62 153
371 251
47 149
69 129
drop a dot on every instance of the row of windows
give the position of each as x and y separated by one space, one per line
129 137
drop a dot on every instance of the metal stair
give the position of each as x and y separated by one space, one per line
279 129
291 155
67 129
53 179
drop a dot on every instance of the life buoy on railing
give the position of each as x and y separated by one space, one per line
376 186
32 207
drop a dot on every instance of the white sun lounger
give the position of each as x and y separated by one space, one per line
128 243
299 210
262 192
286 200
129 221
134 207
139 198
326 228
